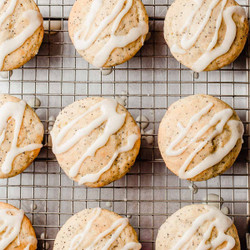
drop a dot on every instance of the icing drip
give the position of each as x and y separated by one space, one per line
219 120
210 53
35 20
118 226
114 41
114 121
209 56
16 111
10 225
132 245
219 221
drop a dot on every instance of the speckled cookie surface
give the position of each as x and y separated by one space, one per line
135 15
31 132
177 118
180 222
14 25
26 238
178 14
77 224
103 155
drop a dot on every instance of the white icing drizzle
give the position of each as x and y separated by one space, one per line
77 240
188 43
209 56
177 49
170 150
35 20
118 226
219 120
27 247
114 41
210 53
10 225
16 111
8 11
218 24
219 221
95 177
32 240
114 121
118 42
82 44
109 114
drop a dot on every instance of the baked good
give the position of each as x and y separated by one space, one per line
16 231
21 135
97 229
205 35
21 32
198 227
95 141
200 137
109 32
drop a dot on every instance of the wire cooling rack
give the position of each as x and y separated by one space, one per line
150 82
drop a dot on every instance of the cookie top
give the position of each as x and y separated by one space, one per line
205 35
21 32
200 137
16 231
198 227
97 229
95 141
21 135
108 32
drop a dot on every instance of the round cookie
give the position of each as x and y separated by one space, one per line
97 229
16 231
21 135
198 227
21 32
109 32
205 35
96 141
200 137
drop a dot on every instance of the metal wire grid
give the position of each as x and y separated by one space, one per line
150 82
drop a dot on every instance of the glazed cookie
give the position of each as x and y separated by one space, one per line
198 227
205 35
109 32
21 32
21 135
97 229
200 137
16 231
96 141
